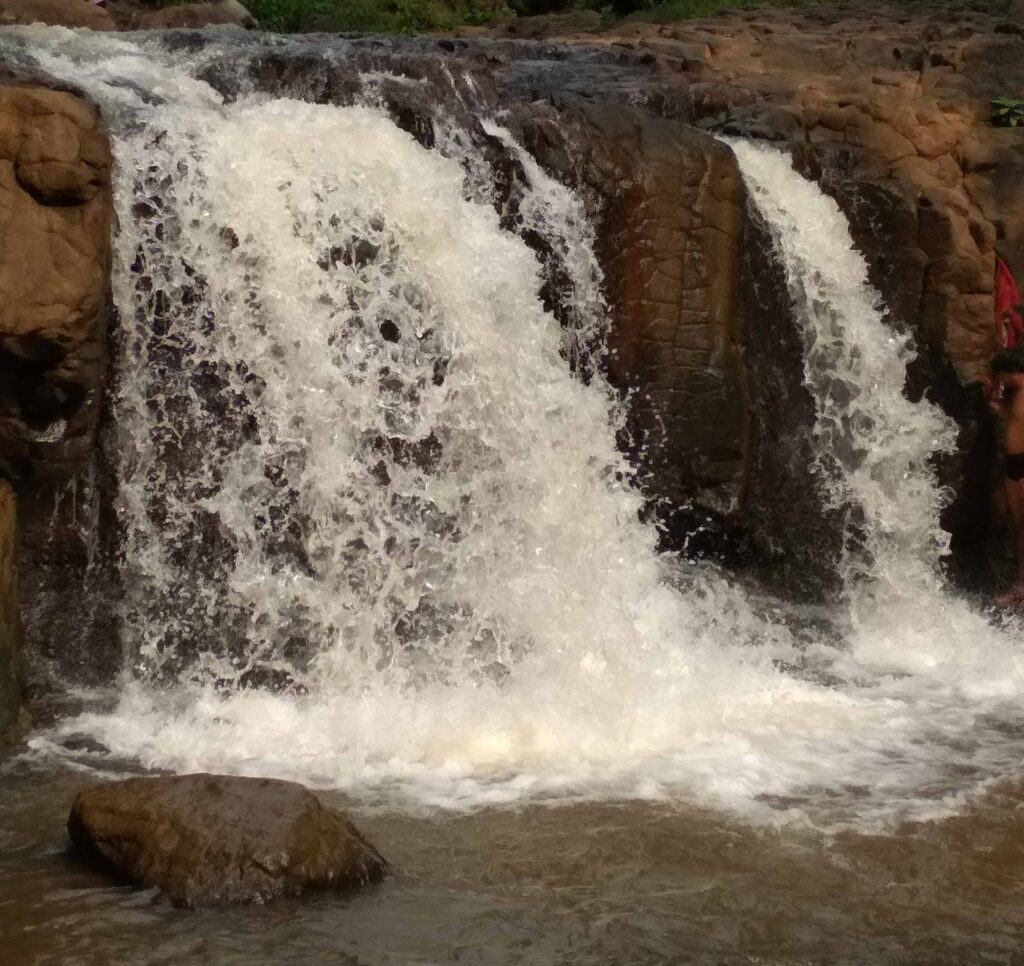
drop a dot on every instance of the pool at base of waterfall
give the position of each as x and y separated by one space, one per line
636 883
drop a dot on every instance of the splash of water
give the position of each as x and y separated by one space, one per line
376 532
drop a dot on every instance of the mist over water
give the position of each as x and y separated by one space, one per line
378 535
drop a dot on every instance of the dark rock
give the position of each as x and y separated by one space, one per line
205 839
671 204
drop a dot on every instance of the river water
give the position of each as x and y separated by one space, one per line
378 538
643 883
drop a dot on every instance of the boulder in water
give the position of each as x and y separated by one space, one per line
204 839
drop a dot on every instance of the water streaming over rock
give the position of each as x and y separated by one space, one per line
873 445
378 535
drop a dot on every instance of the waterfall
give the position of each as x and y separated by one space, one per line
377 534
873 445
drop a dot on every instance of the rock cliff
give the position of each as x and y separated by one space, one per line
55 213
889 108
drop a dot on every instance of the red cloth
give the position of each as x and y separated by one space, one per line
1009 324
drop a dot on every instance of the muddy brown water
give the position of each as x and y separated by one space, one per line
584 884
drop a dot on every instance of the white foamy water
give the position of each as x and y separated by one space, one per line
376 534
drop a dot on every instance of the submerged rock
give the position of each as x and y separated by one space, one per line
204 839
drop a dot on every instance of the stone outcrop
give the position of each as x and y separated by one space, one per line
205 839
671 211
889 109
10 618
60 13
55 212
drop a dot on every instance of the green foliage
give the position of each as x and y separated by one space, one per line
1008 112
285 15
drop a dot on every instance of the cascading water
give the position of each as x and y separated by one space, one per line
873 444
376 532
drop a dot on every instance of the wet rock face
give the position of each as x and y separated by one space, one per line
891 116
784 502
204 839
54 261
670 210
55 214
888 107
890 112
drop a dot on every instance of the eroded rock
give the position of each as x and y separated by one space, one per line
671 208
889 110
205 839
55 251
55 214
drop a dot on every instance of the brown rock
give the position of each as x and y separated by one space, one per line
54 261
55 213
204 839
672 210
59 13
891 115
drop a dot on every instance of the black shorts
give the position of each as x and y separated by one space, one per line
1015 466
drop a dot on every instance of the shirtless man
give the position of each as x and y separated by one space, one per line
1004 393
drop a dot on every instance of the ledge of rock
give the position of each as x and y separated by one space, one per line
204 839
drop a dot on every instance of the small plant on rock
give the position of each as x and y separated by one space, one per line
1008 112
